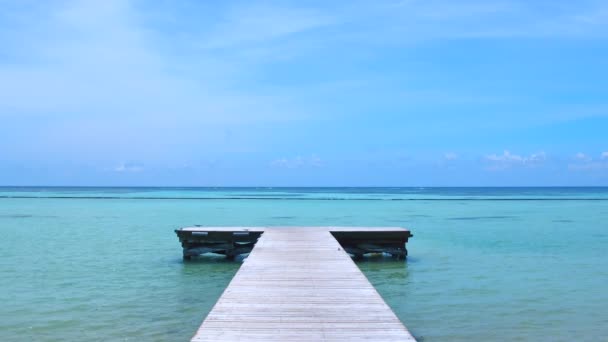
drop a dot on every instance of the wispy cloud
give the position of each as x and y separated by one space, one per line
582 157
106 57
91 58
583 162
508 160
128 168
411 21
247 24
297 162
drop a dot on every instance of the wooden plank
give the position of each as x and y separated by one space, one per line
298 284
223 229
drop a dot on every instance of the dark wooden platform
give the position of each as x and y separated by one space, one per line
298 284
232 241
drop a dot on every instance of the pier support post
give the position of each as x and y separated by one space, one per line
230 254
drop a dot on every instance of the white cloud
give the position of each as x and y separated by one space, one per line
583 162
506 156
128 168
507 160
582 157
297 162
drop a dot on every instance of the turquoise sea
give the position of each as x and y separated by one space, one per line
485 264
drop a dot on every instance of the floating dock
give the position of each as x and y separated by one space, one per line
298 284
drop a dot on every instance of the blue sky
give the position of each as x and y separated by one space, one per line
368 93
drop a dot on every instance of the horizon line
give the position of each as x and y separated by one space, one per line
306 186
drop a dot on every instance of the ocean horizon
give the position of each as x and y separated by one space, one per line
499 263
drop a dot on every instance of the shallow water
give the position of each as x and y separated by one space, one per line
485 264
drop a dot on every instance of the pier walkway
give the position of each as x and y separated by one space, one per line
298 284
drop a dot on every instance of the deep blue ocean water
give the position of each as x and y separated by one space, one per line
485 264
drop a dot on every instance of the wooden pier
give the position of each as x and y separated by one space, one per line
298 284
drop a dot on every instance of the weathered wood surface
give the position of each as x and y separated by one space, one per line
298 284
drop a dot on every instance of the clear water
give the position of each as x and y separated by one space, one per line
485 264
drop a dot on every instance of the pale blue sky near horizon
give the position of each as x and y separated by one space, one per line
307 93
